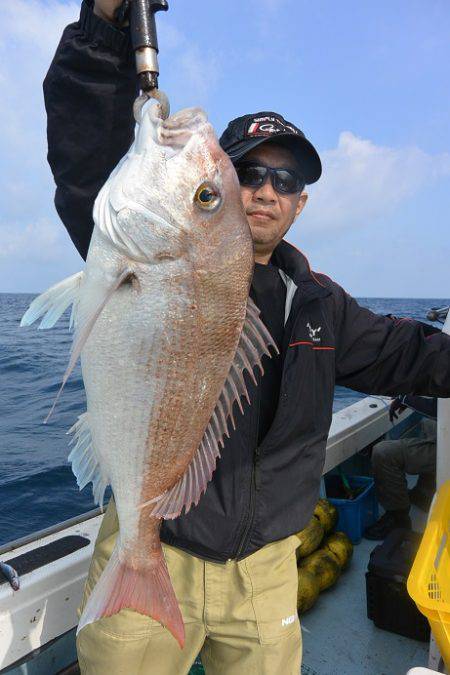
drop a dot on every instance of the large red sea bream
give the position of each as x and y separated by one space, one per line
165 330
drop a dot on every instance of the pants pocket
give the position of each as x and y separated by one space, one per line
273 575
112 646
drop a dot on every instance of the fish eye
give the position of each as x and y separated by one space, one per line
207 197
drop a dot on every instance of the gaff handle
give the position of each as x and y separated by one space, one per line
142 22
144 40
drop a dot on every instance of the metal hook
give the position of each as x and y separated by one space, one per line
161 98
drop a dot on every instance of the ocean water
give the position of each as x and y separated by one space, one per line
37 488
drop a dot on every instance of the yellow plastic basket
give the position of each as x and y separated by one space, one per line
429 579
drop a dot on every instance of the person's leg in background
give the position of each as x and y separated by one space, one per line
391 462
422 493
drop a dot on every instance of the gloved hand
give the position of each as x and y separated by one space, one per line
395 409
105 9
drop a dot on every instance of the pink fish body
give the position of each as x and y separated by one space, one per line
165 330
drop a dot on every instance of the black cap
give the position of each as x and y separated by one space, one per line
247 132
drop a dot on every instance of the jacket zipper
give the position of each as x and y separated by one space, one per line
251 504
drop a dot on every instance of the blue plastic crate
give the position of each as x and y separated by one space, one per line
355 514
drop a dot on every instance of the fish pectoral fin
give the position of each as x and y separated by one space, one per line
54 302
84 459
85 322
255 341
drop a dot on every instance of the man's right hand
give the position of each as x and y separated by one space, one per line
105 9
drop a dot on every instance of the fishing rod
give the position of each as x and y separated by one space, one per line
144 42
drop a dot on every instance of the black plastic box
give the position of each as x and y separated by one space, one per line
388 604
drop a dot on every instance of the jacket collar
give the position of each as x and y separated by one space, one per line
296 266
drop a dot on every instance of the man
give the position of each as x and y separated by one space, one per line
393 459
232 558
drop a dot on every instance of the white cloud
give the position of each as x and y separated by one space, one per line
169 36
30 231
362 182
189 73
30 32
199 76
36 26
266 15
43 240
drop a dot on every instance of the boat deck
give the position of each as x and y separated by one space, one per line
339 639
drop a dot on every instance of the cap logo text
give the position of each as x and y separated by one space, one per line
266 126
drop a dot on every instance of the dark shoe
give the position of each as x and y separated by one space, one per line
420 498
391 520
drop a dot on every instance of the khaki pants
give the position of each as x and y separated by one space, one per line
240 616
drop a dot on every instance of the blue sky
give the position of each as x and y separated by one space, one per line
369 83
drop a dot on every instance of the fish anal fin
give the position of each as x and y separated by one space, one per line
254 342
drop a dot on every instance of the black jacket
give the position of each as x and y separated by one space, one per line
259 493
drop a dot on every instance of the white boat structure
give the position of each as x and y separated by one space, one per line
37 623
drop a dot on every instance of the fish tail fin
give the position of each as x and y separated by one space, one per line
148 591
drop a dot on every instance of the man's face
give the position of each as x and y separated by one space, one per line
269 213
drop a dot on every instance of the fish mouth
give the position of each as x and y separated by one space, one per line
172 133
176 131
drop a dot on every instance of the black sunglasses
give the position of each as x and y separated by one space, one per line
285 181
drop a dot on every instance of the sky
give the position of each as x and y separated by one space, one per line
367 82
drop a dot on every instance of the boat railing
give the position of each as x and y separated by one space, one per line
53 529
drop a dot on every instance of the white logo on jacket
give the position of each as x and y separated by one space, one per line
313 332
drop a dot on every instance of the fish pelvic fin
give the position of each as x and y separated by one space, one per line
85 463
84 324
255 341
53 303
148 591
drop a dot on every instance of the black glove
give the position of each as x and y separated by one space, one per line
395 409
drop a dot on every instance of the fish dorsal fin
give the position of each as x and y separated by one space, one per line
254 342
84 460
